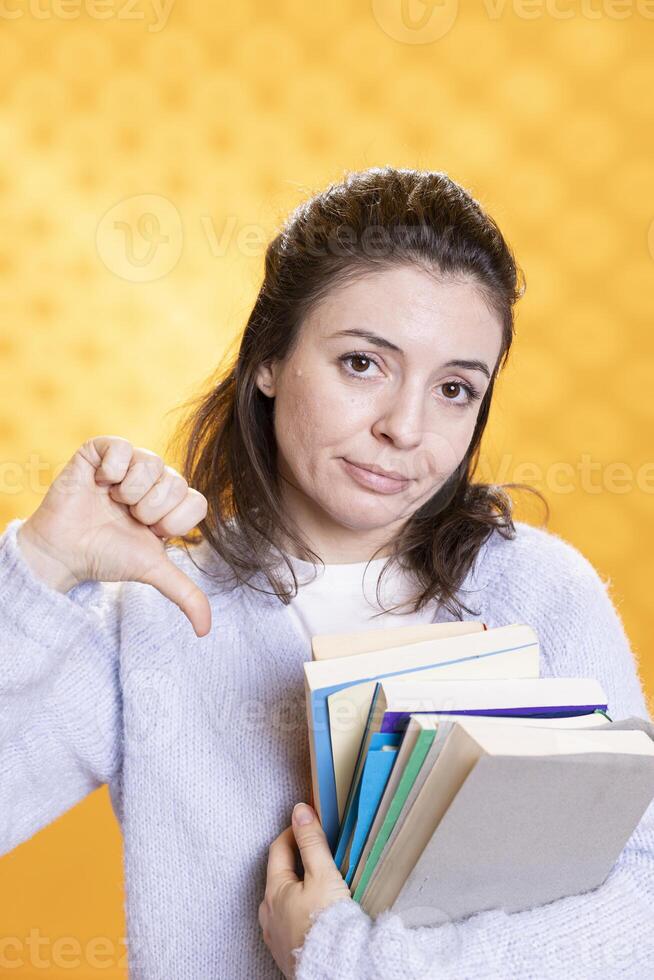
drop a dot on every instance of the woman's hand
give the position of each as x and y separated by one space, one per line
284 913
105 518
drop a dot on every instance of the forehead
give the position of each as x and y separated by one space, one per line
412 309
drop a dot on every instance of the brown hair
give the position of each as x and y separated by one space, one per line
373 219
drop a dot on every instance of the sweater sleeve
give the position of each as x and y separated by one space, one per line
603 932
60 703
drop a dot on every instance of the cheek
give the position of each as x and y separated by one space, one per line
443 450
308 421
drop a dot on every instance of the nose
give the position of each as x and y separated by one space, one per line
401 417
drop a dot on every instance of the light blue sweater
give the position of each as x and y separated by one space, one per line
203 742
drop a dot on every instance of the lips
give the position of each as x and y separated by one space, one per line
389 474
374 481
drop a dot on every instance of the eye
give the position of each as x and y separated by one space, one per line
471 394
355 357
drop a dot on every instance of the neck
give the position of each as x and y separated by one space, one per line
332 552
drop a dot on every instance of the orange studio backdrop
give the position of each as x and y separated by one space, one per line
149 151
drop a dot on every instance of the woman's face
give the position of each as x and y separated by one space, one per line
396 401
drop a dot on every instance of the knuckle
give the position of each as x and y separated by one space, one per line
198 498
150 461
137 512
119 442
168 485
175 474
137 479
264 912
148 453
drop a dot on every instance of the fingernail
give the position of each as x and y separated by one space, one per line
302 814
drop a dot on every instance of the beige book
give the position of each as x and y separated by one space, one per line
501 825
327 646
444 725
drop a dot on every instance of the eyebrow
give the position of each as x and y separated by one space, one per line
378 341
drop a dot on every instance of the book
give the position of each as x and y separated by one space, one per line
394 807
397 698
513 651
483 653
415 744
377 769
328 646
466 781
512 816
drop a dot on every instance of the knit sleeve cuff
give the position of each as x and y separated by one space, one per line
332 943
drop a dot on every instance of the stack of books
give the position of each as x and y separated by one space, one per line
451 778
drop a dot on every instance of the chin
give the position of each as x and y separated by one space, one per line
368 515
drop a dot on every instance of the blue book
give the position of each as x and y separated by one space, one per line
362 806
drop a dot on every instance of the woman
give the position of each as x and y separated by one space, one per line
341 441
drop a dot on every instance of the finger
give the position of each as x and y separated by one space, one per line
145 469
183 517
114 455
312 842
169 491
281 858
172 582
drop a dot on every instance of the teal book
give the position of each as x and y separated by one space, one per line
421 747
376 773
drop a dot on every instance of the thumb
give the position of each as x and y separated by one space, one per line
311 841
175 585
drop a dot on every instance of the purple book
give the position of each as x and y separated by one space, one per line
396 721
395 700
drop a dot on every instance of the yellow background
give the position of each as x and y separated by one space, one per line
215 123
